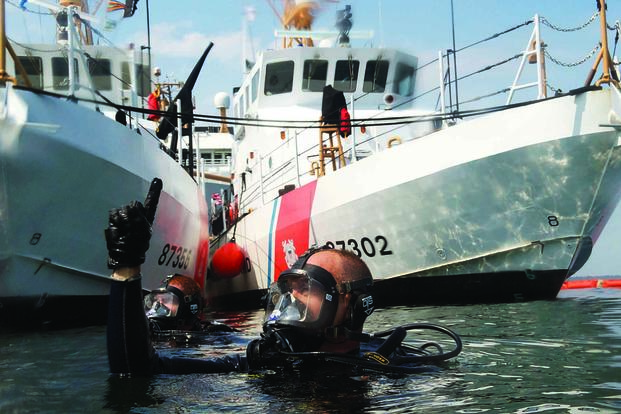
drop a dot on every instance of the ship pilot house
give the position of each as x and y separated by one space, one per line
288 85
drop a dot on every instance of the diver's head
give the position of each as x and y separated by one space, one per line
325 294
177 305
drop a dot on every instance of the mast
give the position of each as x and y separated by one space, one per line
87 30
4 76
4 46
608 75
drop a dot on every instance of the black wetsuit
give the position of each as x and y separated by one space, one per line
130 350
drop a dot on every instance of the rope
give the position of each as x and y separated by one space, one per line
239 207
92 61
270 123
55 50
489 67
489 95
478 42
502 62
526 23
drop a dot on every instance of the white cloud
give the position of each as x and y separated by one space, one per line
176 41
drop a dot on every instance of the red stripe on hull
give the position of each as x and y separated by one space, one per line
202 258
292 227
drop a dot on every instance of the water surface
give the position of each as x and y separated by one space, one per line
561 356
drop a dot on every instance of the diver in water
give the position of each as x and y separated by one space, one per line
175 311
315 313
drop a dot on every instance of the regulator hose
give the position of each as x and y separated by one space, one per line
404 354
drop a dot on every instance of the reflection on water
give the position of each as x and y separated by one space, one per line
557 356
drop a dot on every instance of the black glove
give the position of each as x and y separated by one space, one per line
129 230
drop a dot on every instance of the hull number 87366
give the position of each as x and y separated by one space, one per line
175 256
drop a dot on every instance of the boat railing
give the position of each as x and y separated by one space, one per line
272 180
220 167
452 100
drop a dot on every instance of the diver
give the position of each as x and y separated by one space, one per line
315 314
175 311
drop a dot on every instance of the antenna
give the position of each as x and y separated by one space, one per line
248 59
343 24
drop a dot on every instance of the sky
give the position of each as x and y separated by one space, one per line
181 30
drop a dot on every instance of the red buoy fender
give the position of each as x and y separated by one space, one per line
228 260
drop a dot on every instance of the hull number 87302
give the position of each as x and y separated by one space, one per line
364 247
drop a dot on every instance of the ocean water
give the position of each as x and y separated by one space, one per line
560 356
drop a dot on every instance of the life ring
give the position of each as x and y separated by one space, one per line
394 140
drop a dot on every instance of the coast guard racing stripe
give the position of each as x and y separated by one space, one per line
292 228
202 256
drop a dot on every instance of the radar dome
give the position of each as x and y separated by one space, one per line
222 100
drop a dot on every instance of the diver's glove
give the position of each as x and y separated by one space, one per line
264 353
255 355
129 230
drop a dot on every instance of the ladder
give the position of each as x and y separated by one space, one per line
328 149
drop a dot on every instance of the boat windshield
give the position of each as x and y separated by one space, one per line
33 66
315 75
279 77
375 75
346 75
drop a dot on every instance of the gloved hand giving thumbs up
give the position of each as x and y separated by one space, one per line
129 230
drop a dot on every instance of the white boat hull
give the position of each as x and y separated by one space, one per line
62 168
499 208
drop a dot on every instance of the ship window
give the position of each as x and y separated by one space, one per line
33 66
346 75
255 86
143 88
315 75
375 76
404 80
278 78
99 69
60 72
126 79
